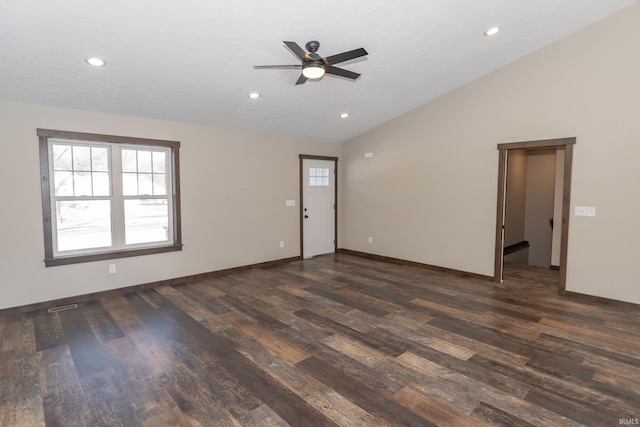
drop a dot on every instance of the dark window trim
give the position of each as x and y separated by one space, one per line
51 260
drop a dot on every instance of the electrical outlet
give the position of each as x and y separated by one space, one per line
112 268
370 239
585 211
282 243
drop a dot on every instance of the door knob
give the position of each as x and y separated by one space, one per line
306 216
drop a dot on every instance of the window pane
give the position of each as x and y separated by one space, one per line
130 184
146 221
83 224
101 184
325 182
63 183
325 172
129 161
82 184
159 162
144 161
159 184
61 157
100 159
312 171
145 184
81 158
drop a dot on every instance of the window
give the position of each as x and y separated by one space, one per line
319 177
108 197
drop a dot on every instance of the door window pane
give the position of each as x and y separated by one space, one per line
319 177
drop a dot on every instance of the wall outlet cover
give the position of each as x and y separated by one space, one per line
585 211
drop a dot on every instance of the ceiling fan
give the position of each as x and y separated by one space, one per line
314 66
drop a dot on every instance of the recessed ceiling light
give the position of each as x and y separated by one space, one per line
95 61
253 95
492 31
344 115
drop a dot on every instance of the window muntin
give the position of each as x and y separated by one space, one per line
104 199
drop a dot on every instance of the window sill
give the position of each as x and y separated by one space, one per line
76 259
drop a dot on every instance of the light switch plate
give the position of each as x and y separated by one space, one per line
585 211
291 202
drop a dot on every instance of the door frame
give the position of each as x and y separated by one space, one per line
302 157
503 149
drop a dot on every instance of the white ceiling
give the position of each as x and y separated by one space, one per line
191 60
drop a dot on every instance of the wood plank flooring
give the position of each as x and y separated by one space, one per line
335 340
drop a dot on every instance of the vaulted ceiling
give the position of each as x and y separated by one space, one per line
192 60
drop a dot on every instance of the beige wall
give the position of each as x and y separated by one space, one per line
515 197
429 194
541 172
557 208
515 203
234 188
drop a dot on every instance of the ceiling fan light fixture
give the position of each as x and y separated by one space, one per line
312 71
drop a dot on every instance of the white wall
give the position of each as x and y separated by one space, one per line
234 187
429 194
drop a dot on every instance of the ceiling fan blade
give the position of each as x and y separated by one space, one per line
301 80
341 72
346 56
297 50
284 67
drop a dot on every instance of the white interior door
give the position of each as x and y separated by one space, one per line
318 207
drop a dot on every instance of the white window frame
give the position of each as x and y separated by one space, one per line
115 144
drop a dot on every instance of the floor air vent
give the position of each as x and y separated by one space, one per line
62 308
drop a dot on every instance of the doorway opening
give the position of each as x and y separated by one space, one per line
318 205
509 228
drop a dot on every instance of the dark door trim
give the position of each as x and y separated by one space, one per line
335 219
568 144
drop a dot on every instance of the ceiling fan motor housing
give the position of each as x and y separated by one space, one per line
312 46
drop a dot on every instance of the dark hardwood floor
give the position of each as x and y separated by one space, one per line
334 340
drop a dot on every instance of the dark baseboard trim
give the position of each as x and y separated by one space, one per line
515 247
45 305
415 264
554 267
591 299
